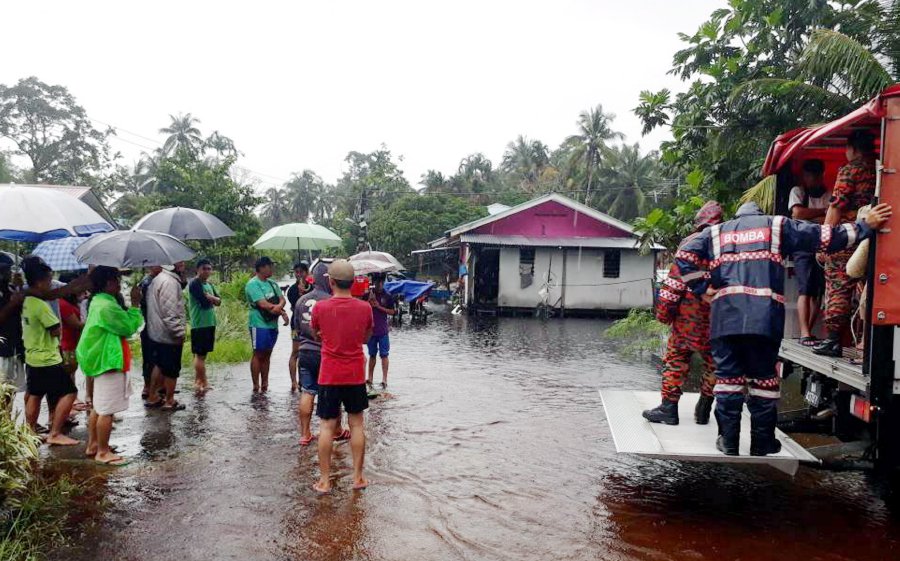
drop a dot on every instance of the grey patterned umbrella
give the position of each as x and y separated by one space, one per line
133 249
185 224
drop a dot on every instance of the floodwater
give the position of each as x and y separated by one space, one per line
493 445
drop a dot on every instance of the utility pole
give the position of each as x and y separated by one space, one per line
361 220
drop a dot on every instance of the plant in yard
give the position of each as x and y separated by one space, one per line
18 451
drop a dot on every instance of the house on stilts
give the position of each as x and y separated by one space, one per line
550 254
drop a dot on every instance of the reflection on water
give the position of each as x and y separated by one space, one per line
492 445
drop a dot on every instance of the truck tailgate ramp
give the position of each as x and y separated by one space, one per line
687 441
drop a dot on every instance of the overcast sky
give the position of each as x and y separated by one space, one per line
298 86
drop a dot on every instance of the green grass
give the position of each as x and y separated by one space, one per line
33 510
640 328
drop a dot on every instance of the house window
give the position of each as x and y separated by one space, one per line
526 266
612 259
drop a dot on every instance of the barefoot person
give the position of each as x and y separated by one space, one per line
379 345
166 328
45 374
203 300
302 286
343 324
266 306
104 356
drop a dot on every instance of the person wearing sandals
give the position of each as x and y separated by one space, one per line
809 202
309 352
166 321
104 356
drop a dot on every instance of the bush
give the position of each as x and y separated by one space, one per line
18 451
641 329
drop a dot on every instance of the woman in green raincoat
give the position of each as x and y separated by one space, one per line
103 354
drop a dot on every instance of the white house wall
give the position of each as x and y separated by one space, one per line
586 288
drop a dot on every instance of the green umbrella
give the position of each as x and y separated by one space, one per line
298 236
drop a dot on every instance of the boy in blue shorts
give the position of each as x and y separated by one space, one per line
380 343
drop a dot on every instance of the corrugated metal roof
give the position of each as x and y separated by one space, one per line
609 243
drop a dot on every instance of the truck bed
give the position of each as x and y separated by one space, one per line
686 441
842 369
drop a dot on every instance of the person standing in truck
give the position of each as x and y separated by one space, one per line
688 314
740 265
854 188
809 201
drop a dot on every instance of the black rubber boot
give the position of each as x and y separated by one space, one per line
763 416
666 413
829 347
703 409
728 415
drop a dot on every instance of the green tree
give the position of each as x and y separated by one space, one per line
749 41
183 134
414 220
625 179
274 209
526 162
47 125
303 197
594 131
8 172
372 181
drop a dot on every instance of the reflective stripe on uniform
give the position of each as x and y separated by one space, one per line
749 291
777 223
675 284
728 388
716 243
765 394
851 234
824 237
748 256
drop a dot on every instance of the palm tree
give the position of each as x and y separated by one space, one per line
221 145
434 182
300 195
625 179
594 131
525 159
182 135
273 209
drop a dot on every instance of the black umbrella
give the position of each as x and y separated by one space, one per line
185 224
133 249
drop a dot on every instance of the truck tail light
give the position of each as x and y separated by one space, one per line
861 408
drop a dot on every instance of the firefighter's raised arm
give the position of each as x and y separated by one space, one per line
804 236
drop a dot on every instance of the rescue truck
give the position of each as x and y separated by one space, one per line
855 398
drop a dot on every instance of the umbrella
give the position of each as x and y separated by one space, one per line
298 236
133 249
185 224
60 254
35 214
370 266
378 256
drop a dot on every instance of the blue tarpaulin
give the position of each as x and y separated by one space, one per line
408 289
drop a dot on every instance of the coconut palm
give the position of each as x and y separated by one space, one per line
434 182
586 147
182 135
273 211
524 160
625 178
221 145
300 194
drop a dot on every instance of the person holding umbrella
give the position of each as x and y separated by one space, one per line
266 306
105 357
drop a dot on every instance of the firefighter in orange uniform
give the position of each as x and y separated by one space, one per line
688 314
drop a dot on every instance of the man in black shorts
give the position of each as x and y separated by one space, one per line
202 302
166 328
809 201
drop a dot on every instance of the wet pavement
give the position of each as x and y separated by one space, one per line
492 445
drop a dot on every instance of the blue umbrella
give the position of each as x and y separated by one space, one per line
60 253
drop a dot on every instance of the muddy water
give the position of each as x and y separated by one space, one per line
493 445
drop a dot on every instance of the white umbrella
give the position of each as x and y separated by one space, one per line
133 249
378 256
185 224
35 214
371 266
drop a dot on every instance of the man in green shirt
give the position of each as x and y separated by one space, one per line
202 302
45 375
105 357
266 305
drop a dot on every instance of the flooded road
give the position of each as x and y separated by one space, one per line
493 445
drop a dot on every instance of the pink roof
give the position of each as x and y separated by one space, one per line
551 216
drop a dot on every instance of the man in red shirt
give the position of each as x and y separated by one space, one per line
343 324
